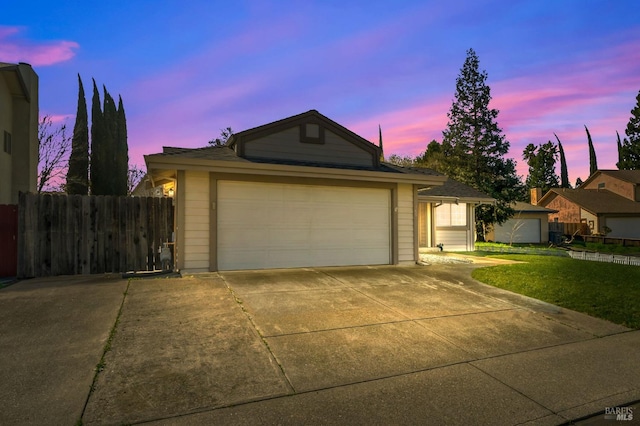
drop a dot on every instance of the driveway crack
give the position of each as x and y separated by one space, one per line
256 330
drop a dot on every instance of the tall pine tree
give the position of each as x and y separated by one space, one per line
564 173
78 172
593 162
474 146
630 158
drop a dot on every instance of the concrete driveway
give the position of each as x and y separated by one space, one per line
383 345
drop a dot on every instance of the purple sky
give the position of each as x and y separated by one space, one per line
187 69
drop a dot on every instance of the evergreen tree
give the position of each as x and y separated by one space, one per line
542 166
99 161
122 151
110 146
593 162
620 156
630 152
564 173
474 146
432 157
78 172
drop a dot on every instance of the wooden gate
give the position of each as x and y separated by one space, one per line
8 240
74 234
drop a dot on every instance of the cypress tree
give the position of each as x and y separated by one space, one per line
110 146
122 151
619 164
593 163
78 172
564 173
99 160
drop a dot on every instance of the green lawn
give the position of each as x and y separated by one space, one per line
603 290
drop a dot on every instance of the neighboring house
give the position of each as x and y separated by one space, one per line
529 224
299 192
446 216
608 202
18 131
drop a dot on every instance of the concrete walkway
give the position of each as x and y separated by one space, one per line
382 345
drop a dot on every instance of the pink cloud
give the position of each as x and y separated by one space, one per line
14 48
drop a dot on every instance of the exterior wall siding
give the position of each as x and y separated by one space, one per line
622 188
568 212
591 220
286 145
406 242
196 221
6 118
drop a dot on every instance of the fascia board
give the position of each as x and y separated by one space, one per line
162 162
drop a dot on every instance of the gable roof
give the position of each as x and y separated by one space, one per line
237 140
595 201
632 176
454 191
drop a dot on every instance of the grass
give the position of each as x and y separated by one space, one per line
604 290
520 248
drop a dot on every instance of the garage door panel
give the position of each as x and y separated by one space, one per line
518 231
280 225
623 227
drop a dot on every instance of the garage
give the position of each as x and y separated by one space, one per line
518 231
277 225
623 227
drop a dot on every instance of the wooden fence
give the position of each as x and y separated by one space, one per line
627 242
8 240
60 234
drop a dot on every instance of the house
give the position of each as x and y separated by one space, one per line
529 224
303 191
18 131
608 203
446 216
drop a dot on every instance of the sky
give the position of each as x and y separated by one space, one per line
187 69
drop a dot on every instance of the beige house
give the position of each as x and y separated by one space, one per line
299 192
18 131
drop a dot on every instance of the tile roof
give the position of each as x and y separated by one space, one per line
596 201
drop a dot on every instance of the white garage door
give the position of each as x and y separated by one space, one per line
269 225
518 231
624 227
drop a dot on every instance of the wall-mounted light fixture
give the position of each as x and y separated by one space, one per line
171 192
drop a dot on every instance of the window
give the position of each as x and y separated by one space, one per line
451 215
311 133
601 185
7 142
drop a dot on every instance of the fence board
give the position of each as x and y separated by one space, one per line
60 235
8 240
